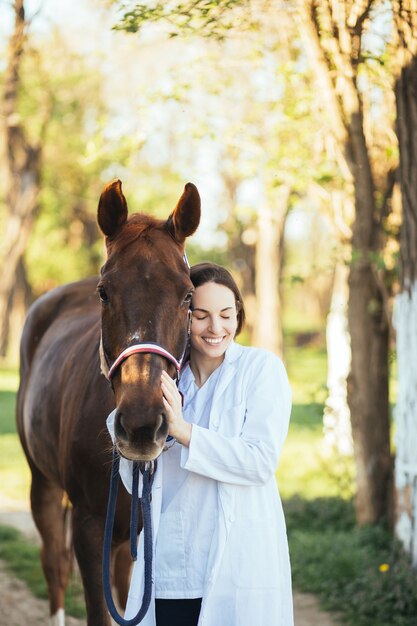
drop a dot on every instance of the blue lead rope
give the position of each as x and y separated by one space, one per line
134 513
148 472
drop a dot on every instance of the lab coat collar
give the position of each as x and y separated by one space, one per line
233 352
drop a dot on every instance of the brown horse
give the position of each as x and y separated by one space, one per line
64 398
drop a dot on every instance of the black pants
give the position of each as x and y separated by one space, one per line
177 612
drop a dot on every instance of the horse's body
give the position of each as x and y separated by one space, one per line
64 398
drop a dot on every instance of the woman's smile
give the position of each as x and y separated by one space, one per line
214 340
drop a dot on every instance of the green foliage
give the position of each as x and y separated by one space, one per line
22 559
63 107
207 18
66 244
307 369
320 513
360 572
305 468
197 254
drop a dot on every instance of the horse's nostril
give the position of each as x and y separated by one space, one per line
162 430
119 429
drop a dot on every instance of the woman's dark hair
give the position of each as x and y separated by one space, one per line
203 273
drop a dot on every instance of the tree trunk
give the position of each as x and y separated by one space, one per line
368 381
240 253
268 262
406 317
23 178
368 396
20 299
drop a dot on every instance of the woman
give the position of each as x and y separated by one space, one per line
221 553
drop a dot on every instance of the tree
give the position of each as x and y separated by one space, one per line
77 159
23 167
406 302
334 32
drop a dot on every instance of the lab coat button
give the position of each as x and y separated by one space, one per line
216 424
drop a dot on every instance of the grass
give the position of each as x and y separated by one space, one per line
22 559
307 371
306 469
14 471
8 387
20 555
359 572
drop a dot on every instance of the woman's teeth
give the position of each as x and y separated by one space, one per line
213 341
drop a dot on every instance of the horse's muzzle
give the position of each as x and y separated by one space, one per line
143 442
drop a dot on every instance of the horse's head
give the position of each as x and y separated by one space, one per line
145 291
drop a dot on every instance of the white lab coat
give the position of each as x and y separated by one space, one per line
249 576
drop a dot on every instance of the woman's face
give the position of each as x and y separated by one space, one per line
214 319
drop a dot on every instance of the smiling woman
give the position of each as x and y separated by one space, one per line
217 317
221 553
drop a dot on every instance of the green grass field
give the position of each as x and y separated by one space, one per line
22 559
14 472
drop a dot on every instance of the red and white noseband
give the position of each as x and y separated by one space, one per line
147 348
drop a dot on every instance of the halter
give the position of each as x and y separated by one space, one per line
151 348
148 348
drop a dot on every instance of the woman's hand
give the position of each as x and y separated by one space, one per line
178 427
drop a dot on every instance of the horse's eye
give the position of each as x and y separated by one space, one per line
187 299
103 294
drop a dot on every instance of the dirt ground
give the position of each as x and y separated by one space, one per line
19 607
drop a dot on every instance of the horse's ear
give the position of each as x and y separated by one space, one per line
112 209
185 218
